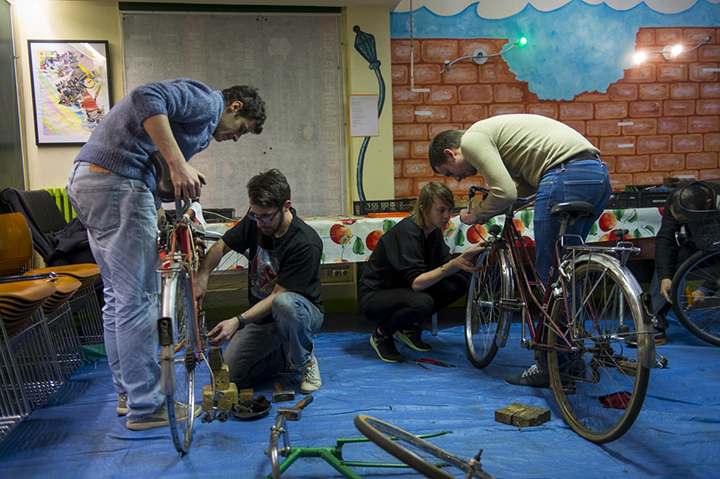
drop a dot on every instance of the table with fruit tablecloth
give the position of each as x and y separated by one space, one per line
353 238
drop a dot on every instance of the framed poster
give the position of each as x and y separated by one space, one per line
70 89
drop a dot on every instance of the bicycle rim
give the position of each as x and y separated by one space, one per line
411 450
604 373
484 321
178 304
699 274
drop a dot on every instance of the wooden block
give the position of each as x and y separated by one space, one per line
215 358
521 415
222 378
246 395
226 400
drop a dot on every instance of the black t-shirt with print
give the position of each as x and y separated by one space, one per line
292 261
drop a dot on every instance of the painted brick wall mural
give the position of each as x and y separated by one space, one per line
660 120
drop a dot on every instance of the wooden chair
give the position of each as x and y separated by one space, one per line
45 219
35 344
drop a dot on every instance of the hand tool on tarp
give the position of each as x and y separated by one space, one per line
419 364
435 362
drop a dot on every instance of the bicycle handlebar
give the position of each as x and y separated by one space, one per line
471 194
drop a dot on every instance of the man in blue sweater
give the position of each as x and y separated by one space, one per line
111 187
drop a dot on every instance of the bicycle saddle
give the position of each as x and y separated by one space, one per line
165 190
573 211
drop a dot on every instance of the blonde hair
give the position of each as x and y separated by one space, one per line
434 189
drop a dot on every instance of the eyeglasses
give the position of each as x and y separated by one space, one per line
262 219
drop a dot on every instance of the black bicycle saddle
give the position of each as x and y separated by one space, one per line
573 211
165 190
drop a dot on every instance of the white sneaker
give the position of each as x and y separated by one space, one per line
310 378
160 417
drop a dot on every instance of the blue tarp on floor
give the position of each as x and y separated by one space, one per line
677 433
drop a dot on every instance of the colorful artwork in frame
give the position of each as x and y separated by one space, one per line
70 87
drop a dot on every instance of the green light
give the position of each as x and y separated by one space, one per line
522 42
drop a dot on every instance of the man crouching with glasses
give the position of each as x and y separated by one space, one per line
284 289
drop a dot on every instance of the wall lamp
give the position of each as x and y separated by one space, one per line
480 56
668 52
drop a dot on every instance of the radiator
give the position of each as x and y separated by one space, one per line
61 198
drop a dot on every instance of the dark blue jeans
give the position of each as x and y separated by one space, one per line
584 180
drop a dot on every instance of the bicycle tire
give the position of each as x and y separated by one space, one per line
603 368
408 448
178 304
701 269
486 325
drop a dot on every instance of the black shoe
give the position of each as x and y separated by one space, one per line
385 347
412 336
537 377
660 338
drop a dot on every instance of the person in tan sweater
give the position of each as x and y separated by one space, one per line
518 156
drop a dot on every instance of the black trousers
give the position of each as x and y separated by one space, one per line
394 309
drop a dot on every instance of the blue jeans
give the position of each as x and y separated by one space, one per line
260 351
585 180
121 219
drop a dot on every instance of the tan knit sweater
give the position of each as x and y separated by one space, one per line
510 149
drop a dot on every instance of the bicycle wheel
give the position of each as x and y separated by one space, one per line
600 387
415 452
486 325
699 275
178 304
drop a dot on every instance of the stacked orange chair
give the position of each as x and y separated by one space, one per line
45 220
29 369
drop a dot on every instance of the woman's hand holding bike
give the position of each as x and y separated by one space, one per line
466 260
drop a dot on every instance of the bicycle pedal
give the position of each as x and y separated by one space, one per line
513 305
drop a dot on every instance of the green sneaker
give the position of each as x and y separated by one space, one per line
385 347
412 336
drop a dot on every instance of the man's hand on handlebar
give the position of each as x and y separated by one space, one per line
468 217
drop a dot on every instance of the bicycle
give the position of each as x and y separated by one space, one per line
695 294
182 332
584 315
333 455
694 288
413 450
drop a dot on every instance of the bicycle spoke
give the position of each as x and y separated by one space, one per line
696 296
179 306
600 386
485 320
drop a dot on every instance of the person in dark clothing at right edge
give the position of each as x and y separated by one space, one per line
670 253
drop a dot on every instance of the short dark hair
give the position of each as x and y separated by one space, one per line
692 201
268 189
442 141
426 199
253 106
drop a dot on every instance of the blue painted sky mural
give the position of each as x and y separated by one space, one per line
574 48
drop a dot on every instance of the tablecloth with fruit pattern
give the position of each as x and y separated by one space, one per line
353 238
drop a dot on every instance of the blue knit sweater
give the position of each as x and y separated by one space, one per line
120 143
